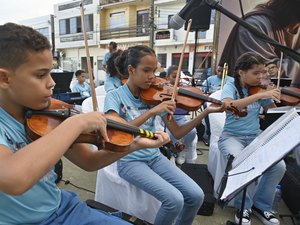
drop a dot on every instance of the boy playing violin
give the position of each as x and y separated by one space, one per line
28 193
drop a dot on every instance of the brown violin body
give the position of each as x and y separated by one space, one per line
39 124
161 91
289 95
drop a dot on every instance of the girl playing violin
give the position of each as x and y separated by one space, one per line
237 134
28 192
148 169
114 78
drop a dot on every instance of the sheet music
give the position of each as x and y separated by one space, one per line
283 109
269 147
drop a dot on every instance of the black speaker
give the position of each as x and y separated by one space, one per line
200 17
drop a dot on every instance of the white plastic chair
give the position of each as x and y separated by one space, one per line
114 191
216 163
100 90
87 104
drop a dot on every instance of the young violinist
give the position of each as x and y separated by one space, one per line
28 193
148 169
237 134
189 154
114 78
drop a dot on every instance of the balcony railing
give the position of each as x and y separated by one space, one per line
126 32
106 2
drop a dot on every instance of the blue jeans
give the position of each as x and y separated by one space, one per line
265 191
180 196
74 212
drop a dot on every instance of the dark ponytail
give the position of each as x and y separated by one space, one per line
132 56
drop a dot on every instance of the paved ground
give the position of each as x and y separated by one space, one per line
85 182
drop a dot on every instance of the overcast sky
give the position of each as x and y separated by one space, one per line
16 10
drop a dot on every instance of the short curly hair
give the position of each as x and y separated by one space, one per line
16 41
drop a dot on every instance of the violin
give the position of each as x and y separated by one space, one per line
290 96
120 133
188 98
161 91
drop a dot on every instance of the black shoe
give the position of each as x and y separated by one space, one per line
265 217
205 141
246 220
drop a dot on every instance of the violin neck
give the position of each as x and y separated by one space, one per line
290 93
198 96
60 113
136 131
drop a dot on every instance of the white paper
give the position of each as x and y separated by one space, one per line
269 147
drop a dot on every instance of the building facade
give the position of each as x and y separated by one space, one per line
128 23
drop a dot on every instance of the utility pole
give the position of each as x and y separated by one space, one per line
152 25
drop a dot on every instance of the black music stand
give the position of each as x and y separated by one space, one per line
62 81
244 189
263 152
284 82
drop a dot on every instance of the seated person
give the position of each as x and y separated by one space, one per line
189 154
114 78
237 134
82 86
272 69
148 169
213 83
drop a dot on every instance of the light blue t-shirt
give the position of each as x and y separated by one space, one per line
248 125
84 89
106 57
213 83
128 107
112 83
40 201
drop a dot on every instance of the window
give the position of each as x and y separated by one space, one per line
169 18
143 22
202 34
117 20
62 27
73 25
162 58
89 23
212 17
44 31
185 63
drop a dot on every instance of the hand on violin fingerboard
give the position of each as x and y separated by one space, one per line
143 142
93 121
213 108
273 93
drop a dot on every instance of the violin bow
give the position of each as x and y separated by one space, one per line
181 60
279 70
88 59
224 74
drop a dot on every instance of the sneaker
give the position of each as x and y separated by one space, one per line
172 159
266 217
180 158
246 217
